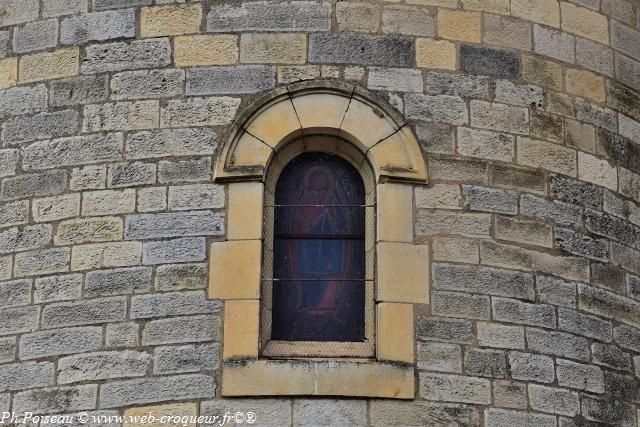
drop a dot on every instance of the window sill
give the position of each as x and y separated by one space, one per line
318 378
317 349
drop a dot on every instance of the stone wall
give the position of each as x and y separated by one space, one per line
528 112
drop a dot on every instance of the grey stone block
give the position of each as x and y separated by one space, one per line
559 212
612 227
157 389
455 388
196 196
443 329
21 376
17 101
500 336
210 111
272 411
551 290
73 151
514 311
18 11
546 126
531 367
595 115
9 160
439 108
579 376
558 344
123 335
575 192
57 400
42 261
610 412
5 37
625 257
41 126
8 348
171 142
98 26
553 43
187 249
463 85
131 174
507 92
329 412
19 319
57 288
609 276
440 357
124 115
456 304
178 330
621 386
618 9
390 51
270 16
436 137
181 277
84 312
633 286
147 84
60 341
554 400
490 200
623 99
147 53
580 244
34 36
499 117
508 394
103 365
505 418
610 305
14 213
620 149
594 56
386 412
178 224
485 363
118 281
610 356
625 39
406 20
118 4
585 325
172 304
492 62
175 171
186 358
230 79
483 280
63 7
15 293
79 90
395 79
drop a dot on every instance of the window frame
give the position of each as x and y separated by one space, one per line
305 349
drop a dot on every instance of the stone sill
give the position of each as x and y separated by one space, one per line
318 378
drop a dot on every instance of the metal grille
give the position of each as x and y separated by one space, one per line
319 254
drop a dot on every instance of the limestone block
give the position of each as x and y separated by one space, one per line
403 273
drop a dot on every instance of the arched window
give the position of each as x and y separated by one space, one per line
319 251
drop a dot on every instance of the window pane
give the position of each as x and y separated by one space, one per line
319 253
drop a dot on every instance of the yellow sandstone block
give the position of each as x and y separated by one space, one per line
245 211
459 25
8 72
49 65
171 20
585 84
585 23
438 54
395 332
205 50
403 273
273 48
241 324
541 11
235 269
395 213
161 413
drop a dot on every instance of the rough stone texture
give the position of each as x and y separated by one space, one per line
98 26
493 62
229 80
119 56
60 342
364 50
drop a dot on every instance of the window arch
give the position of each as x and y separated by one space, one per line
341 123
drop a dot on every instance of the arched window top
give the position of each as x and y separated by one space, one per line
319 251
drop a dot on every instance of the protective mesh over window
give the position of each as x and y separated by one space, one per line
319 251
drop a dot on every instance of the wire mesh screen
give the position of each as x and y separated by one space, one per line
319 289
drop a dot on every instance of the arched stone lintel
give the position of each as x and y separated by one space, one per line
309 109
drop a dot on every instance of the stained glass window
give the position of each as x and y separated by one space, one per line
319 251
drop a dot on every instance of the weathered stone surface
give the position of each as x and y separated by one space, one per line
487 61
59 342
98 26
388 412
442 108
329 411
454 388
84 312
508 394
556 291
19 319
179 330
610 356
118 281
122 335
7 349
230 79
499 117
270 16
171 142
15 293
500 336
558 344
443 329
560 212
595 115
195 223
42 261
14 213
35 36
102 365
21 100
470 225
554 44
41 126
388 51
20 376
395 79
581 244
149 53
456 304
131 174
490 200
458 85
272 411
186 249
579 376
186 358
172 304
25 238
147 84
181 276
56 400
506 31
73 151
608 412
79 90
407 20
514 311
483 280
533 367
440 357
57 288
485 363
125 115
196 170
18 11
88 230
209 111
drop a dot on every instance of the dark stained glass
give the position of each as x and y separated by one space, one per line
319 253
